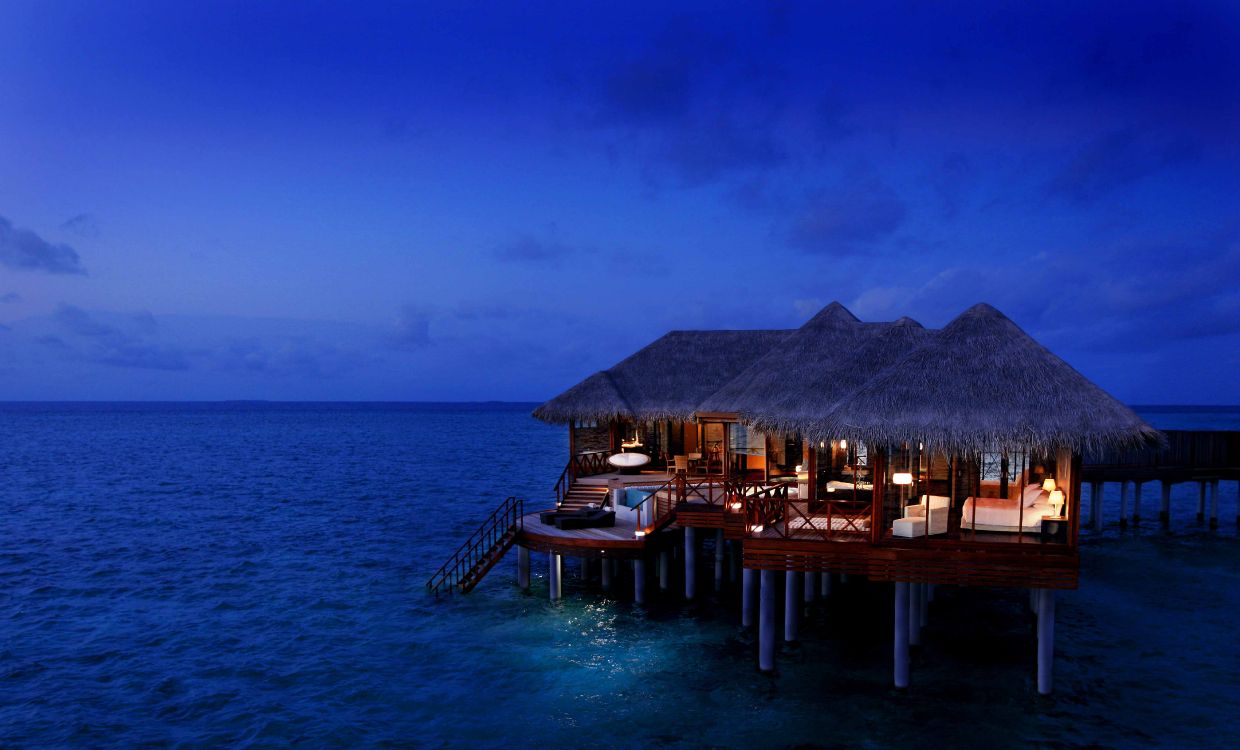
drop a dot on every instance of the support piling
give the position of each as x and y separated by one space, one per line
766 623
900 636
523 568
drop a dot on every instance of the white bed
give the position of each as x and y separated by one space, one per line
1011 514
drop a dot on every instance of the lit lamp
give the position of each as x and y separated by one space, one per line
843 444
902 477
1048 484
1056 499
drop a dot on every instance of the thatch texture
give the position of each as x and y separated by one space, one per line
796 377
666 380
982 383
595 398
811 387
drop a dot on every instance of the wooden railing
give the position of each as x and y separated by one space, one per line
475 557
771 513
656 511
581 465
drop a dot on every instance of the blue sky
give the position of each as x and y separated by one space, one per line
459 201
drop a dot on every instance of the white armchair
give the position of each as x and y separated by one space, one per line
932 509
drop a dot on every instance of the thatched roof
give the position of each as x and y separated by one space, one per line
797 374
595 398
798 382
981 383
666 380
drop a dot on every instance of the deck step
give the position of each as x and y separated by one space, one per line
581 495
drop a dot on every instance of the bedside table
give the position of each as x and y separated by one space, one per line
1055 529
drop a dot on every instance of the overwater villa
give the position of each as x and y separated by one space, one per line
888 451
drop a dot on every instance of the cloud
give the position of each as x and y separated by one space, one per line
1115 160
527 249
845 219
412 329
692 104
108 344
1142 304
287 357
9 297
949 181
83 225
23 250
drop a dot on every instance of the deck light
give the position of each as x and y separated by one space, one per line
902 477
800 468
822 444
1056 500
1048 485
639 534
843 444
758 529
736 505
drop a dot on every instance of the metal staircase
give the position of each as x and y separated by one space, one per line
485 547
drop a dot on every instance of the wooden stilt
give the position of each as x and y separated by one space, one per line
1136 503
1046 640
900 639
719 559
1123 505
749 596
523 568
1214 504
690 563
792 604
1164 509
665 565
1095 506
766 623
556 568
1201 502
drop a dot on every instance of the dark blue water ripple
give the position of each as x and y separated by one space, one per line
251 575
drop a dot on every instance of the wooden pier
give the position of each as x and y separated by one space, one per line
1201 457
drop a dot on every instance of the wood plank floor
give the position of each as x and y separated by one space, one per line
621 532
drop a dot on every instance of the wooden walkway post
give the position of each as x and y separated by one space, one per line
811 586
1095 506
1164 511
1214 504
825 580
1201 502
1123 505
1136 504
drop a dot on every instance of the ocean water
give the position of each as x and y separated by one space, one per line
251 575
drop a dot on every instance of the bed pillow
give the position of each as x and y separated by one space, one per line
1033 493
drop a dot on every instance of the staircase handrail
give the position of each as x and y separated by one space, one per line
507 517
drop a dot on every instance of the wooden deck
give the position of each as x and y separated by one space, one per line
618 540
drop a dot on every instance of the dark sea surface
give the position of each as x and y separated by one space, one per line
251 575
